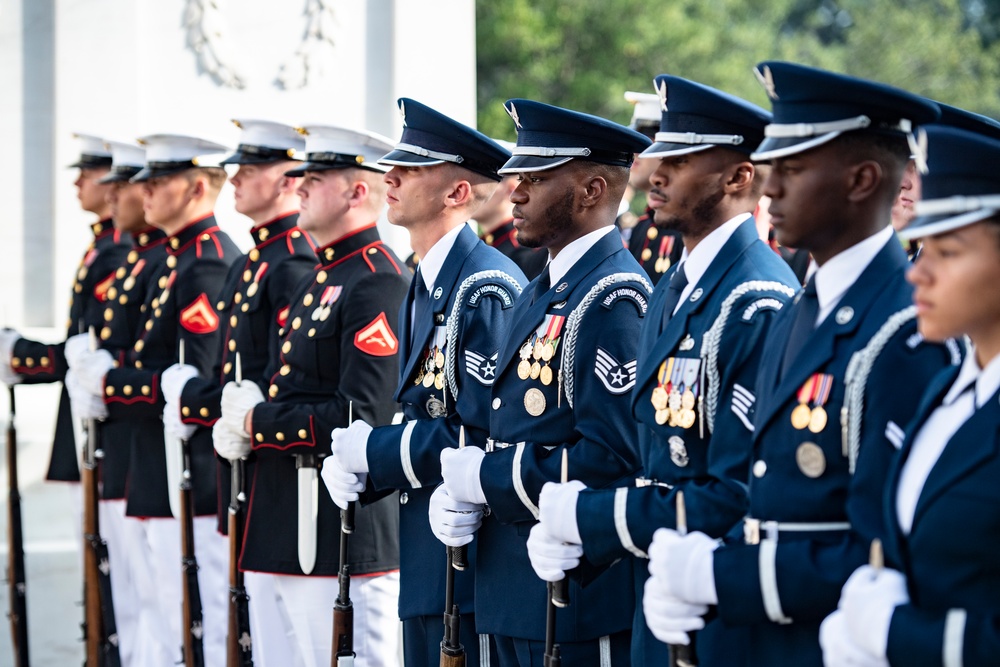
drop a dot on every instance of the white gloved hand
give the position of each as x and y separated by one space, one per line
173 427
84 404
90 368
8 337
557 510
682 566
460 471
452 521
173 379
669 619
868 601
76 347
237 401
839 649
550 557
230 446
350 446
343 486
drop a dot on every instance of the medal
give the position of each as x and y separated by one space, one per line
435 408
687 400
428 380
659 399
523 369
547 352
439 359
536 351
810 459
818 417
802 414
534 402
129 283
686 418
678 452
662 415
536 370
546 375
526 351
674 400
252 289
439 381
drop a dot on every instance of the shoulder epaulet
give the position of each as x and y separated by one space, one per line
602 293
764 296
490 283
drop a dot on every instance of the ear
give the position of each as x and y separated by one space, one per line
740 178
198 188
864 180
594 191
359 193
460 195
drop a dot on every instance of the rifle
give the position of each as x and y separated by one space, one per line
452 651
16 589
194 651
558 596
238 640
682 655
343 608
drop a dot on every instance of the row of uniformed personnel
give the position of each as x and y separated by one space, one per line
777 412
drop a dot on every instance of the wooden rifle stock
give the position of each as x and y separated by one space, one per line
452 651
343 608
16 588
191 628
239 643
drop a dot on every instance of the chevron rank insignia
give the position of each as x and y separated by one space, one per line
616 377
101 288
481 367
376 338
199 317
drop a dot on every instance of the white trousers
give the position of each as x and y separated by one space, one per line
160 598
291 619
125 538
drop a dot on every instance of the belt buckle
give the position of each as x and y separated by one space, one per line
751 530
642 482
489 445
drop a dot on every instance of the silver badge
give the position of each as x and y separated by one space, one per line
435 408
678 452
438 292
662 90
512 112
687 343
845 315
562 287
697 294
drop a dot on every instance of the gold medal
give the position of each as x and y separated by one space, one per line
439 381
687 400
646 254
129 283
536 351
439 359
252 289
428 379
810 459
801 416
672 418
534 402
547 352
674 400
523 369
420 378
659 399
662 415
817 419
546 375
664 264
686 418
536 369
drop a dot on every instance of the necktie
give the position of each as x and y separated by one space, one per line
805 321
678 281
421 304
542 286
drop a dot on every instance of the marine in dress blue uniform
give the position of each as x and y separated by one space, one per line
826 419
448 361
938 605
697 366
564 376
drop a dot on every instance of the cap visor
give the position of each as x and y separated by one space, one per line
932 225
148 173
406 159
775 147
114 177
529 163
668 149
246 158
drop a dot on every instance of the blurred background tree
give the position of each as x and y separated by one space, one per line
583 54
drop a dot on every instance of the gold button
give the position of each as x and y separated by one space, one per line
157 312
254 255
77 288
186 411
296 323
127 390
112 293
142 308
233 320
120 273
139 344
109 314
171 262
238 297
143 240
652 233
203 412
372 251
149 325
489 239
220 306
279 436
286 347
174 243
110 391
245 307
206 237
82 273
296 234
29 362
329 253
123 299
138 364
312 332
145 388
133 256
260 437
272 390
155 303
307 300
16 361
105 333
44 361
247 275
302 433
232 345
286 369
162 282
321 277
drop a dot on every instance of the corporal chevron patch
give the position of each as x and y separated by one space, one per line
616 377
481 367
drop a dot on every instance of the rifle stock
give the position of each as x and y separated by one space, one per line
343 608
16 587
238 641
452 651
682 655
194 655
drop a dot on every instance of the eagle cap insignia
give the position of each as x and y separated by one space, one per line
402 112
512 112
766 79
662 92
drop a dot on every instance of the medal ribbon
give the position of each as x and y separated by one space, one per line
666 245
823 387
554 324
806 391
138 267
260 272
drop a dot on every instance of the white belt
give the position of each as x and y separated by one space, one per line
495 445
752 528
641 482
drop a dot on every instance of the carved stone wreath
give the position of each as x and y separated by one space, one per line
206 28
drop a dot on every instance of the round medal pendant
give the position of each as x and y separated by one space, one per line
252 289
686 419
678 451
817 419
547 352
525 351
428 379
439 359
524 369
672 418
545 375
536 351
687 400
662 415
420 378
536 370
315 314
439 381
659 399
534 402
129 283
801 416
435 408
810 460
674 400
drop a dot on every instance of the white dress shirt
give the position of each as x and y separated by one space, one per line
840 272
560 265
697 263
430 265
972 388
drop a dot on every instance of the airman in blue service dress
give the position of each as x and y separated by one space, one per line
37 363
842 371
448 363
937 605
697 367
563 381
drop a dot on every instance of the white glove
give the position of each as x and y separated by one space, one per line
85 405
682 566
237 401
342 486
557 510
76 347
173 427
550 557
91 368
173 379
350 446
839 649
669 619
868 601
460 471
8 337
452 521
230 446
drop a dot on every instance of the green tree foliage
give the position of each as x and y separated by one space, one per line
583 54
